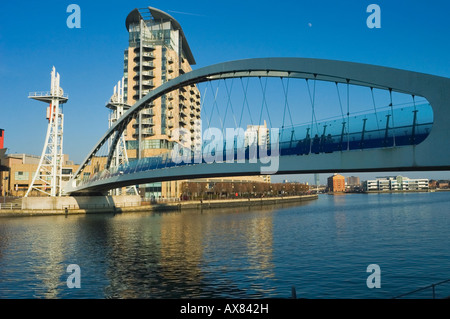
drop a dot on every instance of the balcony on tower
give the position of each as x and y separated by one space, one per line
183 120
145 122
148 112
145 132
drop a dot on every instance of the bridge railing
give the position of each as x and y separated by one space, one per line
388 128
9 206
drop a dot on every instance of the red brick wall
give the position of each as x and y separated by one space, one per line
2 138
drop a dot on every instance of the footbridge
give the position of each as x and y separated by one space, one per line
320 116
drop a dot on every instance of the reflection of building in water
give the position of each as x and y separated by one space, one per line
182 245
133 257
192 242
260 245
49 255
340 220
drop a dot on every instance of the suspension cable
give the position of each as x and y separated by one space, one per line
264 102
229 103
392 113
414 119
375 109
312 99
348 114
203 109
215 104
286 104
245 102
340 102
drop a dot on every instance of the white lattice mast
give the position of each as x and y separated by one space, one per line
48 176
118 106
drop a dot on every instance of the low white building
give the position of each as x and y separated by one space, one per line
396 183
370 185
257 134
415 184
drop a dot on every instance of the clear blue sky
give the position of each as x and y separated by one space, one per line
414 35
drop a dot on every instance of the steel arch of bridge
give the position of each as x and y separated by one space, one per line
431 154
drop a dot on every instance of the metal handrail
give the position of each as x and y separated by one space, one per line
432 286
46 93
9 206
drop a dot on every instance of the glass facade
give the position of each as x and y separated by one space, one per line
149 144
125 75
153 191
154 33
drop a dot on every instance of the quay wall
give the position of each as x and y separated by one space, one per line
132 204
78 202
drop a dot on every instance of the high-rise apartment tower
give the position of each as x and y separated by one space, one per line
158 51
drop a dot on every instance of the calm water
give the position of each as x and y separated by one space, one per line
322 248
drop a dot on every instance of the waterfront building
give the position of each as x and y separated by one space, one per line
381 184
257 134
442 184
18 171
353 181
396 183
415 184
336 183
158 51
370 185
239 187
353 184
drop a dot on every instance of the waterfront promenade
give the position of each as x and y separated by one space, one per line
11 210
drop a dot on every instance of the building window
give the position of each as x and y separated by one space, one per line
132 145
149 144
66 171
21 176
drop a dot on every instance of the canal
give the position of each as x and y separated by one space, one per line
321 247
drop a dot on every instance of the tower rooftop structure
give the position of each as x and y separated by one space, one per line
117 100
150 13
55 93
